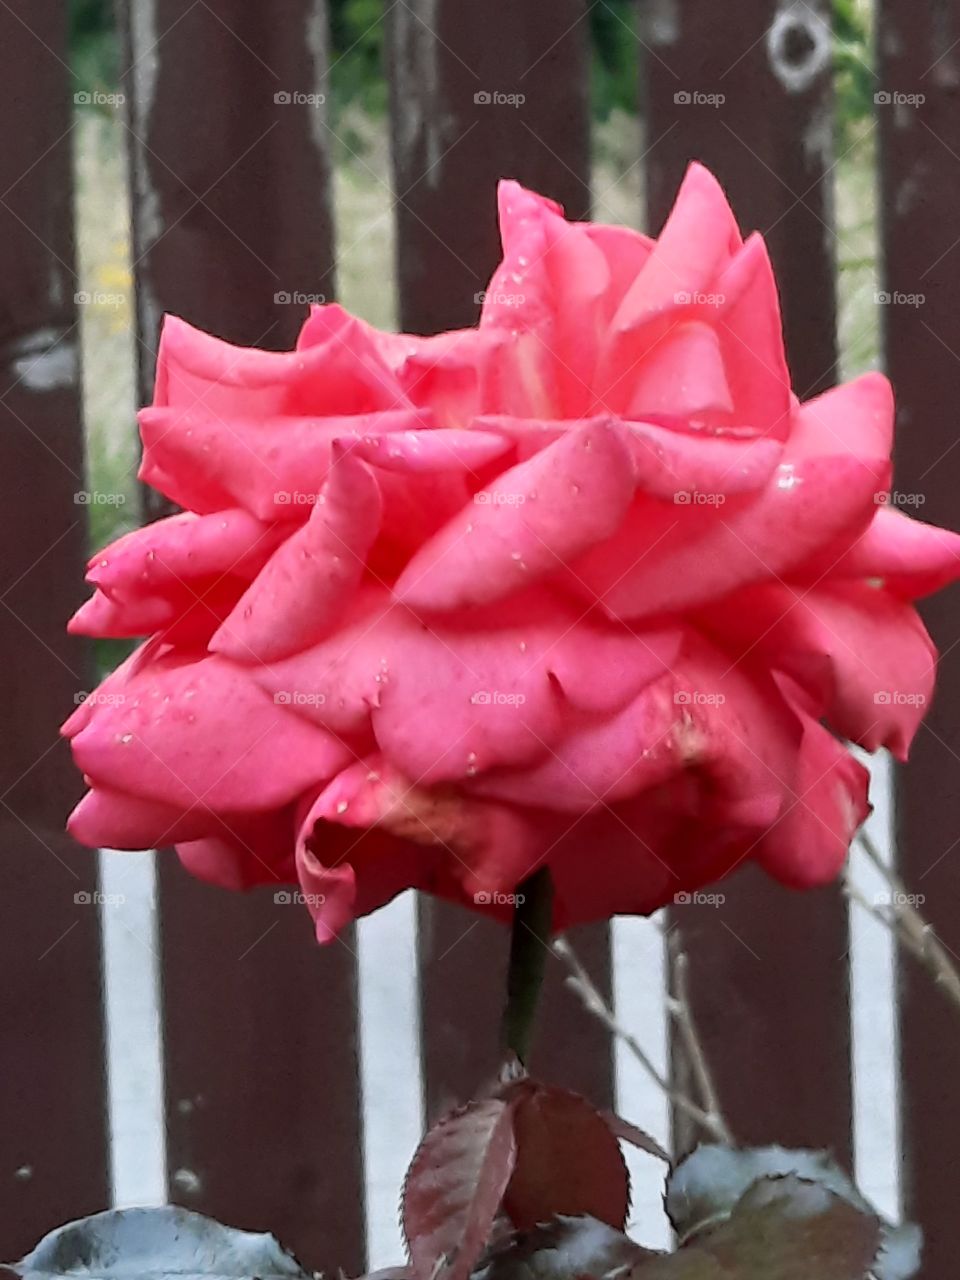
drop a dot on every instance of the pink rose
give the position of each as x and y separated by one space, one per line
584 585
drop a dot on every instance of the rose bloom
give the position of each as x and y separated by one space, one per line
584 586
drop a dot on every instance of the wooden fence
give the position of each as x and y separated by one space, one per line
231 204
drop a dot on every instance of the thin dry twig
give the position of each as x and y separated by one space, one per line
580 982
681 1009
908 925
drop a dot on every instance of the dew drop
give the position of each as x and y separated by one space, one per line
343 806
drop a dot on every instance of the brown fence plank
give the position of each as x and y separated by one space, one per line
920 167
53 1150
229 166
769 969
231 209
449 150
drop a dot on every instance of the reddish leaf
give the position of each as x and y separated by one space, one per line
454 1187
568 1159
628 1132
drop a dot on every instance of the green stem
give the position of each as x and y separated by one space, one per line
529 947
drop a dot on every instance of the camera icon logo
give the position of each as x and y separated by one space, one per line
83 899
682 98
282 698
482 97
682 899
482 898
282 98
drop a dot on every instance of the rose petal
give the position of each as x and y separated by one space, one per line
809 843
180 549
249 850
301 592
203 733
862 654
682 377
413 452
750 330
854 419
342 373
697 241
487 848
679 556
911 558
272 467
531 520
107 818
